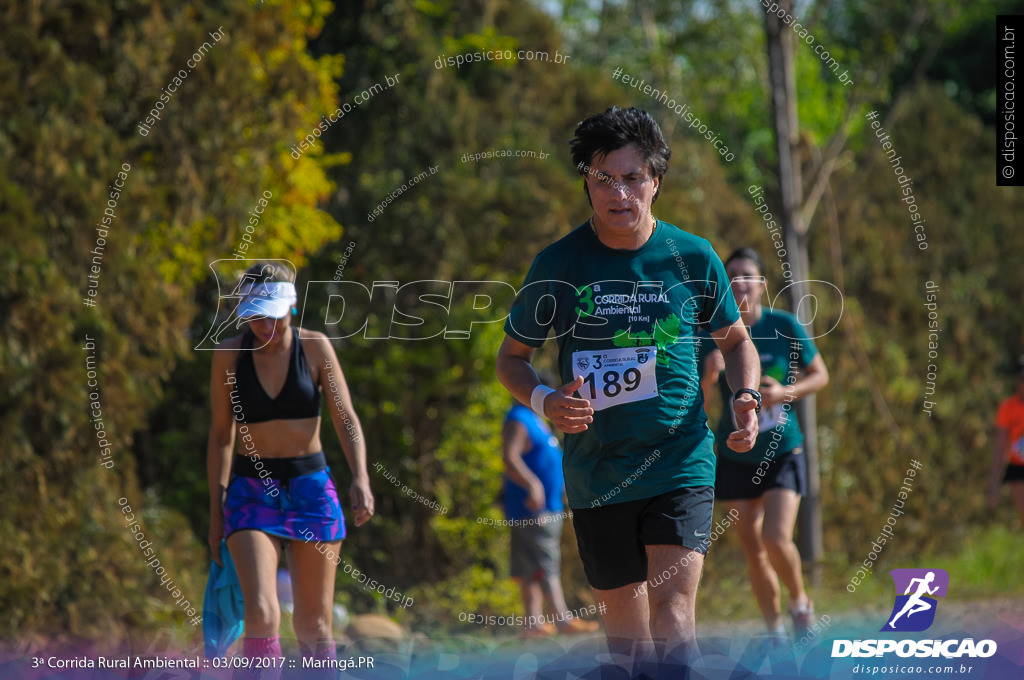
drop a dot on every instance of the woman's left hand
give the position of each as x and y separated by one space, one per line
772 392
362 500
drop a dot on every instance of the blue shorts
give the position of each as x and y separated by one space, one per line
293 498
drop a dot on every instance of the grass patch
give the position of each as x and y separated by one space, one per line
985 566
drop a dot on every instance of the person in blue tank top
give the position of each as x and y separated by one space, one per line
626 295
533 489
533 482
766 483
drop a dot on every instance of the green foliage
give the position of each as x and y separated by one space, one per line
77 81
885 275
986 565
476 590
982 567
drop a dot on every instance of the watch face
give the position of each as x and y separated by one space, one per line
746 390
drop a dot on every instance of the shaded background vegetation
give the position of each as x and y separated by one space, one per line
79 76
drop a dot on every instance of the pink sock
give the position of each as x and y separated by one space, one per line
262 647
325 649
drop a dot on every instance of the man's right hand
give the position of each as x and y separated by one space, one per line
568 413
743 439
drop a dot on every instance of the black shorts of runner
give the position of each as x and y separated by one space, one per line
612 539
741 482
1014 473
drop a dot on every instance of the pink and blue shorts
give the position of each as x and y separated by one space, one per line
292 498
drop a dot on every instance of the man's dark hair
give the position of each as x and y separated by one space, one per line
746 253
602 133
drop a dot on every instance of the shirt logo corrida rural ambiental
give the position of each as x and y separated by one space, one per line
661 333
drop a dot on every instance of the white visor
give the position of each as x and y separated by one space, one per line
272 300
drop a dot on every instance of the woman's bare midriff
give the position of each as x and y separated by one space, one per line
279 438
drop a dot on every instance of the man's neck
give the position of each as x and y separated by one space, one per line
624 240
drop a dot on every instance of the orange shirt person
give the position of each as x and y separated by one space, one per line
1008 456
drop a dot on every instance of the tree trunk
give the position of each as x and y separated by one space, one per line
782 79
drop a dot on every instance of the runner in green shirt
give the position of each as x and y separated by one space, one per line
766 483
625 295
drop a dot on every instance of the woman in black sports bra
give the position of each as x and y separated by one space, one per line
279 486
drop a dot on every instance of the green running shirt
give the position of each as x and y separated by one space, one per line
627 321
784 350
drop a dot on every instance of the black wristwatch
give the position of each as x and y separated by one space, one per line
754 393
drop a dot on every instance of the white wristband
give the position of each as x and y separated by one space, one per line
540 393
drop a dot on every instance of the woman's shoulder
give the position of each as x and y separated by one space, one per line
313 340
225 356
315 344
307 334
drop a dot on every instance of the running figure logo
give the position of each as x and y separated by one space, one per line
914 610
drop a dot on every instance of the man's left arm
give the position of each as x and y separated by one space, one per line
742 370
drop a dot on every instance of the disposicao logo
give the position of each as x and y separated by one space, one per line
914 611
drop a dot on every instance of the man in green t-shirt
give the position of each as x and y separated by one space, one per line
626 295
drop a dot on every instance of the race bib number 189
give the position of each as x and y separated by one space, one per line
616 376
